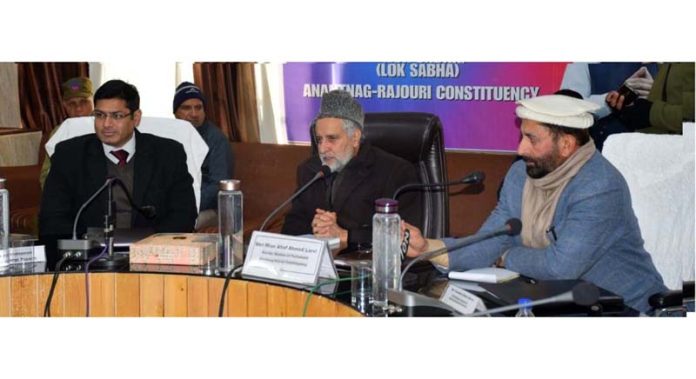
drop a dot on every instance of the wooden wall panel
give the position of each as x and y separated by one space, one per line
58 299
5 297
197 295
257 300
294 302
343 310
102 291
214 293
24 296
151 295
237 298
75 302
276 301
175 296
320 307
127 295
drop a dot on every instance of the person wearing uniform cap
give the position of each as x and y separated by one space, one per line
152 169
77 101
189 105
342 205
575 207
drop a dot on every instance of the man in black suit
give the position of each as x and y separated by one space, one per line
342 205
153 169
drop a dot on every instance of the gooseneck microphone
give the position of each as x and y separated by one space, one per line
584 294
323 172
512 227
475 177
80 247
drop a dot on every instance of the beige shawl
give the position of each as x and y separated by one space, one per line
540 197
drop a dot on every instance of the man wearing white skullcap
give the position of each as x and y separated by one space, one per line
575 207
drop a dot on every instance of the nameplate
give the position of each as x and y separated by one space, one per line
462 300
27 254
281 258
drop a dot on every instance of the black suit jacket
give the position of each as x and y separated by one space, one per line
370 175
78 169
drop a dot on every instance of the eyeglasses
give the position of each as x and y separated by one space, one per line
116 116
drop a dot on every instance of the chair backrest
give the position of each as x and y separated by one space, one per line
417 138
659 171
181 131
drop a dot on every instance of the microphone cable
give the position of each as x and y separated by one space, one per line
221 310
321 284
89 262
474 177
47 306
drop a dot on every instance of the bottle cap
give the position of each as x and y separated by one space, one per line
386 205
229 185
2 183
524 301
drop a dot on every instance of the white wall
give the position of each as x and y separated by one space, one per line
156 81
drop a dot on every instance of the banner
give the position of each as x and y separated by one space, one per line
475 101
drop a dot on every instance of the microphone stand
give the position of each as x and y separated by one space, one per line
110 261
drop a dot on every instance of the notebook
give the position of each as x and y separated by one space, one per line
485 275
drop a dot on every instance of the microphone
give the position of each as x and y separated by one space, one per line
475 177
584 294
80 248
323 172
512 227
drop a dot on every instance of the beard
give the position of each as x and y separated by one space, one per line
542 166
339 160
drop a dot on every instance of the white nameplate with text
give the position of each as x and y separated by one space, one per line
282 258
27 254
462 300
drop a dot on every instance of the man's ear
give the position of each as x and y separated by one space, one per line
357 135
568 145
137 117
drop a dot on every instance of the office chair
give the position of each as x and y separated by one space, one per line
417 138
659 171
178 130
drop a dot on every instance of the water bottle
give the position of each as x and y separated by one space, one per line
231 237
386 253
526 310
4 225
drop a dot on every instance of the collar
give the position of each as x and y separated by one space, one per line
129 147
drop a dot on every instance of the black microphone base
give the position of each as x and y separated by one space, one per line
115 262
79 250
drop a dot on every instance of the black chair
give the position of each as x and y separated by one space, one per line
417 138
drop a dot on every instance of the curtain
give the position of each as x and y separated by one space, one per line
231 98
40 94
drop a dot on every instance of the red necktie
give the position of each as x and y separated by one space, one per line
122 156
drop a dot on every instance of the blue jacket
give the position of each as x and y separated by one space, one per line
217 165
598 238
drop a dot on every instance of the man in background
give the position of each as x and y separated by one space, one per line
77 102
189 104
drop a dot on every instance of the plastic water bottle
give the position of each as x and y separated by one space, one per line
386 252
4 225
526 310
231 237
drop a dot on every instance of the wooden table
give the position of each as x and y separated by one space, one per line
155 294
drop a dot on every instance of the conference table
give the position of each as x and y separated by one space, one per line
140 290
156 290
